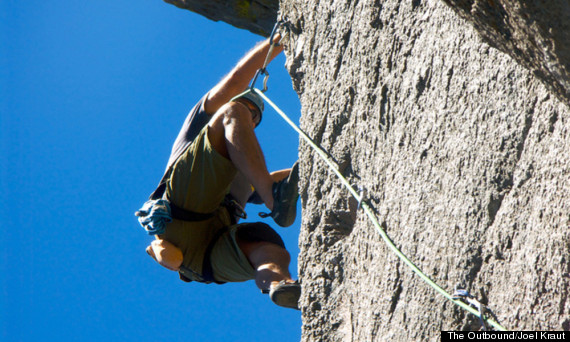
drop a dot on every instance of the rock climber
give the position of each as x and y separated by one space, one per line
215 167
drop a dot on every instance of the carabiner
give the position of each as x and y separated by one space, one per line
260 71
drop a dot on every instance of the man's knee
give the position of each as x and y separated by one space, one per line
263 253
261 244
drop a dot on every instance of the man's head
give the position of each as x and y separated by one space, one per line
253 101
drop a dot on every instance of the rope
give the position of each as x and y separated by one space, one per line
369 213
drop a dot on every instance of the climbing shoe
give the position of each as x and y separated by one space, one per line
286 294
285 195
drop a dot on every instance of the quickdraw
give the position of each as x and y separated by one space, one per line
280 25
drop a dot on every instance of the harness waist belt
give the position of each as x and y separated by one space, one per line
186 215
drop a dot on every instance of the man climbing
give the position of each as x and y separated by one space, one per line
216 165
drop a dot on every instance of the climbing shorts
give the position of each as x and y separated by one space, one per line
229 264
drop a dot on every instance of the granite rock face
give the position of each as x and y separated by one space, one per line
257 16
535 33
465 156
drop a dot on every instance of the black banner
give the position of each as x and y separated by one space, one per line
553 336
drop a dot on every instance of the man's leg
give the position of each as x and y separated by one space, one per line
270 261
231 134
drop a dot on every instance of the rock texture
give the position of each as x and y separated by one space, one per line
466 158
257 16
535 33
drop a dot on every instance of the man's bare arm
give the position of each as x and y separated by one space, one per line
239 78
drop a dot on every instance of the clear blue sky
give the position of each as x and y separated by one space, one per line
92 95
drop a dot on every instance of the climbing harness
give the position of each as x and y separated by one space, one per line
159 210
359 196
